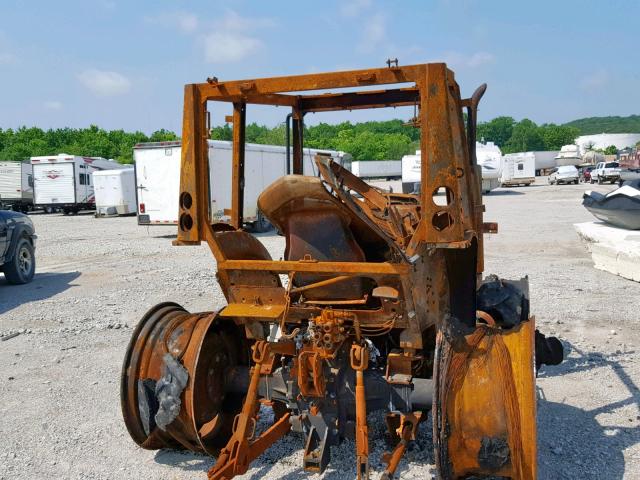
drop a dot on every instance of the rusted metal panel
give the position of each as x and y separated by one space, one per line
345 268
316 81
237 180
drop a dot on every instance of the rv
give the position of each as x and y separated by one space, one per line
518 169
16 186
64 181
489 159
157 175
115 192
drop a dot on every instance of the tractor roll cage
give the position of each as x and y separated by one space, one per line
447 155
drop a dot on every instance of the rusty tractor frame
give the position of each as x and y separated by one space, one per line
379 303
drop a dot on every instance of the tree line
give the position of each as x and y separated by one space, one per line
375 140
612 124
22 143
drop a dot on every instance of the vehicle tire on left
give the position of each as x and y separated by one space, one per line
22 266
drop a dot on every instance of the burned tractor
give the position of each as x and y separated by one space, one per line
378 304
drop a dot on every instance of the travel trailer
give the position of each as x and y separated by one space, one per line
518 169
157 175
64 181
16 186
489 158
115 192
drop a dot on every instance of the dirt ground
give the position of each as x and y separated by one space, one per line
59 379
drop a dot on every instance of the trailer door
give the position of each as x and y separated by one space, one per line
158 185
54 183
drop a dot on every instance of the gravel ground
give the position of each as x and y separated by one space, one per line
59 378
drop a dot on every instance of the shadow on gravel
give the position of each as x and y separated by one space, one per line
43 286
501 193
577 444
173 235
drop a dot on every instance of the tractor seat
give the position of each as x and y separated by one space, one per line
314 224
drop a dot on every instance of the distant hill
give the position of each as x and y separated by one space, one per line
593 125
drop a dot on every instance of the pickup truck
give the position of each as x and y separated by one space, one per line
17 247
606 172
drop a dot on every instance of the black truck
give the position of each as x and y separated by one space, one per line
17 247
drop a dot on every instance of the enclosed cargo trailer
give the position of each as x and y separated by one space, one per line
387 169
115 192
157 173
16 186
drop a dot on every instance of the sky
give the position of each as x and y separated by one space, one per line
123 64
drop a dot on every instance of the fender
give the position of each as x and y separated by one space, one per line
14 232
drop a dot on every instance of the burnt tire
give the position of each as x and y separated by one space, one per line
505 300
22 266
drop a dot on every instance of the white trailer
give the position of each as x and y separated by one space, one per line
518 169
411 172
115 192
157 173
387 169
64 181
16 186
489 159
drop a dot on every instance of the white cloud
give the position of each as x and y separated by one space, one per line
480 58
232 38
186 22
6 58
594 80
460 60
353 8
53 105
374 32
221 46
104 83
233 21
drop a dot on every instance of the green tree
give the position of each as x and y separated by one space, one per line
611 150
498 130
223 132
525 137
163 135
555 136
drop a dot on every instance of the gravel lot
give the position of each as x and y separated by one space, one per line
59 379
